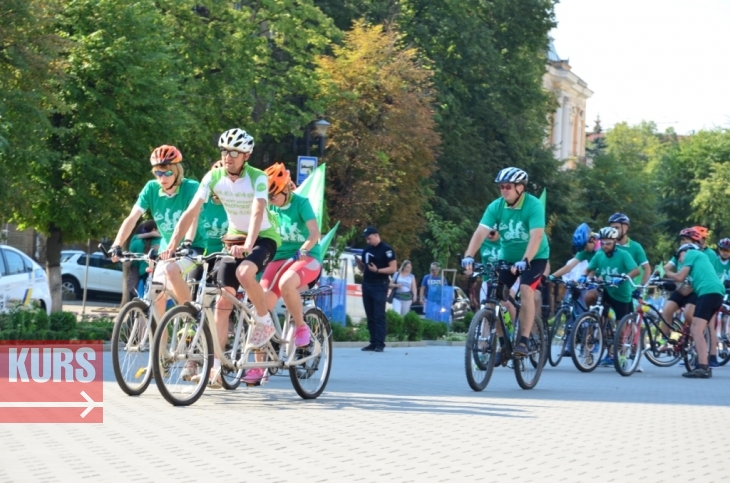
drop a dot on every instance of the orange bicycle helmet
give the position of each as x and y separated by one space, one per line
701 230
279 178
165 155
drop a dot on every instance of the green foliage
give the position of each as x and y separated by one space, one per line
35 324
434 330
412 326
445 237
394 323
459 326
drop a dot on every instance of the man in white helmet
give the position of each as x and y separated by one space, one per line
517 220
244 192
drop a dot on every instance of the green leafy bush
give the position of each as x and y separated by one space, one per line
394 322
468 318
413 326
459 326
434 330
35 324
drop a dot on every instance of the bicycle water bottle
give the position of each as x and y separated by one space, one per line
508 322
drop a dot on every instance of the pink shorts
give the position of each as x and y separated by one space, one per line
307 269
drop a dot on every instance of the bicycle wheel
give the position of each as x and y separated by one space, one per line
690 352
131 348
182 356
231 378
665 355
528 369
480 346
558 335
587 342
627 345
723 339
310 378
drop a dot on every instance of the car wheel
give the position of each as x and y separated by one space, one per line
70 288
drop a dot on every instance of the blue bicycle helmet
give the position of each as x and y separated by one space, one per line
581 236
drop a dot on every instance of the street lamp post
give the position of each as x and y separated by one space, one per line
322 126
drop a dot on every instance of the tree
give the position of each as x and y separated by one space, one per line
596 141
28 57
249 65
637 144
123 100
383 141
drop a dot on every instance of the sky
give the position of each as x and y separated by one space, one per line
666 61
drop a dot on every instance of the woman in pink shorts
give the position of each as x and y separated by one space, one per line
297 255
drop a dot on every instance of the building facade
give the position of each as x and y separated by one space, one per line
568 122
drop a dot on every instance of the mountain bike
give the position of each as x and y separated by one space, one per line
481 349
560 330
593 333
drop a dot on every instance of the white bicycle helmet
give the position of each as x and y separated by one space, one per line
511 175
608 233
685 247
236 139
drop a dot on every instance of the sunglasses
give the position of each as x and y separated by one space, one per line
233 154
506 187
164 174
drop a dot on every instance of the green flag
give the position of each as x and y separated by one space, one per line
543 198
325 242
313 188
660 268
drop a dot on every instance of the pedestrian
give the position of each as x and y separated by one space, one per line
432 279
377 263
404 283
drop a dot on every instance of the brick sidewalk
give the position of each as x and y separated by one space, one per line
404 415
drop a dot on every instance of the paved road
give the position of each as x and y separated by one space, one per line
404 415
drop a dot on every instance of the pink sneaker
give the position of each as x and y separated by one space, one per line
253 376
302 336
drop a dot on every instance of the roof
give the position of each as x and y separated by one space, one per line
552 53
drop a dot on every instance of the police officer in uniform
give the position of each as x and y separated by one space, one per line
377 264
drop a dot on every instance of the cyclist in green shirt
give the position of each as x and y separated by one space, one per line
166 198
517 220
710 292
621 223
722 266
608 264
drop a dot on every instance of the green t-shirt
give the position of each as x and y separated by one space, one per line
723 269
166 210
514 225
214 222
712 257
293 229
137 245
704 278
489 251
238 197
584 256
638 254
620 263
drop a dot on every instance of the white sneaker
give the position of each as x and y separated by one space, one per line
262 332
639 369
190 370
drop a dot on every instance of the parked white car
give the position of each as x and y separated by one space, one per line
21 281
104 275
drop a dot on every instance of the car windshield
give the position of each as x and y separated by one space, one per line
66 256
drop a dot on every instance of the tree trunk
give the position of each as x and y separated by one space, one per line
53 266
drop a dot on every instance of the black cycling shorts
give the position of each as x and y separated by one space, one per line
683 300
621 309
532 276
707 305
263 252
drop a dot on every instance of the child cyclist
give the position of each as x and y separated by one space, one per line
295 264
